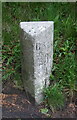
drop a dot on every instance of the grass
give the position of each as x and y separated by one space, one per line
63 76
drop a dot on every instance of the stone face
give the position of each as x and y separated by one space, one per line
37 56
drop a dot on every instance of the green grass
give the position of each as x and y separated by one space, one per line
65 28
54 96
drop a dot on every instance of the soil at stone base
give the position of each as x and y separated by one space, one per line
16 105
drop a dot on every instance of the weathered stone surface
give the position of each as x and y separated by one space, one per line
37 50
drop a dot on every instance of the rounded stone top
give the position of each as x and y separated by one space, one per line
35 27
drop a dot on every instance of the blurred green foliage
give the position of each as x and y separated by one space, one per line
65 28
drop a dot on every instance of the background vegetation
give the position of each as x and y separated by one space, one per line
63 77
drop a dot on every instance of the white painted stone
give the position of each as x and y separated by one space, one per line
37 58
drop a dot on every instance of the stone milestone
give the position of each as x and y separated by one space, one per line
37 56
